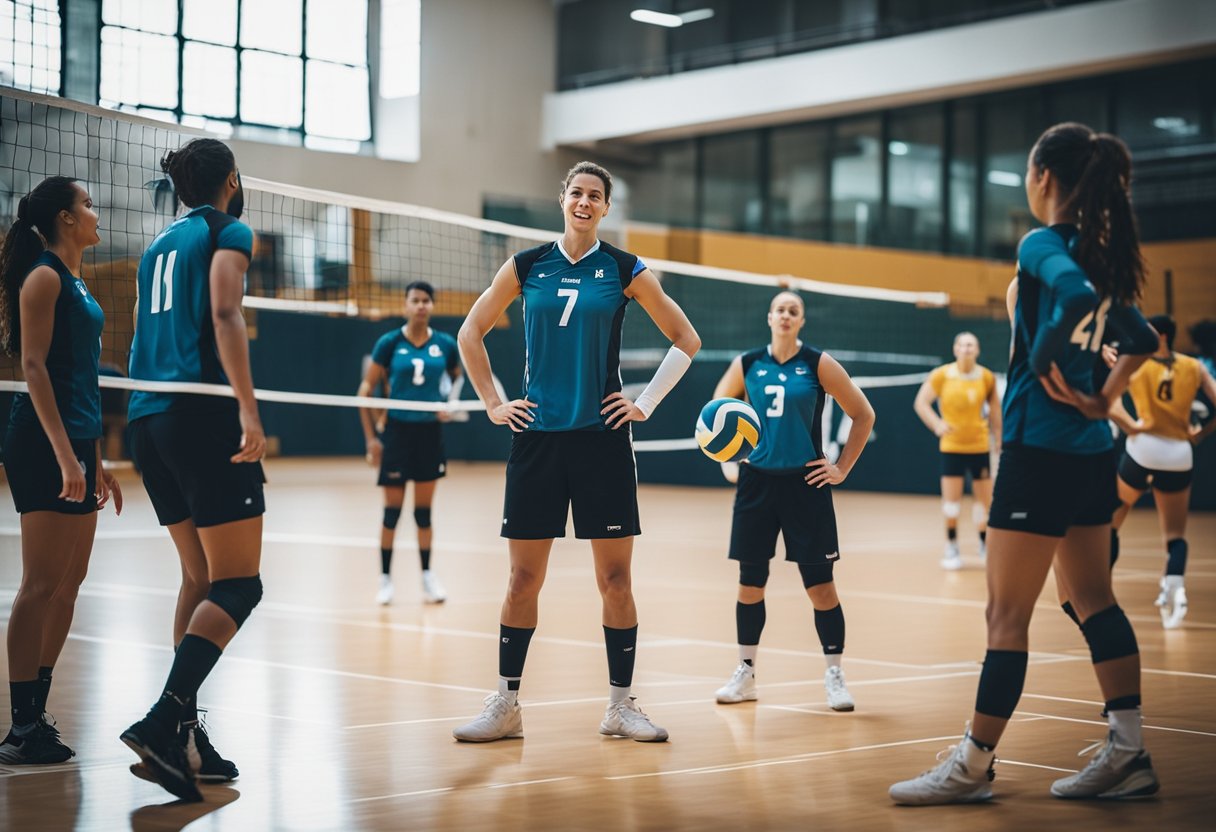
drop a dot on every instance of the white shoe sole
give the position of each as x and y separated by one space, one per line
515 735
952 564
1140 784
735 700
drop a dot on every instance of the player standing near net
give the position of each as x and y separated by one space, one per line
198 454
781 488
1055 488
52 448
962 389
573 445
421 365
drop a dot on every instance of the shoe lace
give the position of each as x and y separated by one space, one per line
742 672
48 724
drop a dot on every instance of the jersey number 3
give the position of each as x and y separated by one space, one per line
1083 336
778 394
167 276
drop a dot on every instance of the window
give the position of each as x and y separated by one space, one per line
400 48
914 179
798 186
289 65
731 186
1012 123
856 181
668 194
30 56
964 205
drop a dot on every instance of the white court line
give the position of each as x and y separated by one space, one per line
528 783
549 704
404 794
1062 699
1001 761
66 768
1104 724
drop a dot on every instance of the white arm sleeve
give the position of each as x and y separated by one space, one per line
673 367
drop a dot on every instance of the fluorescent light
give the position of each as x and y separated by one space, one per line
1176 124
898 149
1004 177
670 21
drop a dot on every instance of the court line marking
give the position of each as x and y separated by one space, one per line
528 782
1001 761
1104 724
404 794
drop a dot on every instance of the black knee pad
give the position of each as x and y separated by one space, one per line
1001 683
391 516
1110 635
753 574
237 596
814 574
1177 549
422 516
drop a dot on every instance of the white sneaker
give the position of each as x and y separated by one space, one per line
984 550
385 596
740 688
1113 773
432 590
500 719
951 559
951 781
626 719
1172 601
839 698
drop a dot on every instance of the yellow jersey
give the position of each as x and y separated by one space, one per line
1163 390
961 398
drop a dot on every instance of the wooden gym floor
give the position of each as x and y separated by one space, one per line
339 712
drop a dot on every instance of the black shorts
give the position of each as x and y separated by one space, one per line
1047 492
184 455
959 465
1141 478
769 503
412 451
593 471
33 472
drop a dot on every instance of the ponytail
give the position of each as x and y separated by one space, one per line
22 245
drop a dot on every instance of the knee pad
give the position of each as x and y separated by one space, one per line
1109 635
951 509
1001 683
979 515
814 574
422 516
237 596
753 574
391 516
1177 550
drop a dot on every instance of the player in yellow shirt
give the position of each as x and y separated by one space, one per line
962 389
1159 453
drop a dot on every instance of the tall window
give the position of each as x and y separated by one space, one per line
30 56
914 179
798 182
856 181
284 65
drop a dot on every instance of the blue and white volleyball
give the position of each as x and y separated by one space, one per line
728 430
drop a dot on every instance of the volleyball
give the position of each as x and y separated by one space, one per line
728 430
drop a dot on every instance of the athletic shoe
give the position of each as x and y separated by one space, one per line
206 763
951 781
951 559
740 688
41 746
839 698
1172 601
626 719
163 756
1112 774
500 719
432 590
385 596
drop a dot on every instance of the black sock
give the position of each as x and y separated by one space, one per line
1123 703
829 624
195 658
1114 547
386 561
425 556
24 699
512 652
984 536
189 713
1176 565
952 534
622 652
982 746
44 689
1070 612
749 622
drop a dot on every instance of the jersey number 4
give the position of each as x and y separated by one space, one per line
163 301
1086 338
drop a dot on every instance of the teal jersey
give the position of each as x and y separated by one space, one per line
174 337
1059 318
72 360
789 399
573 314
417 373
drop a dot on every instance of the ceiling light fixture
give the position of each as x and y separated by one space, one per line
898 148
1004 177
670 21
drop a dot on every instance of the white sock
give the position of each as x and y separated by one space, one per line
1171 582
616 694
511 696
975 758
1125 725
747 653
833 659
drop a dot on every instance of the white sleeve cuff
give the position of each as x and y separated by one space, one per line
673 367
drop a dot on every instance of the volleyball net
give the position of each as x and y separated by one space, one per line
329 270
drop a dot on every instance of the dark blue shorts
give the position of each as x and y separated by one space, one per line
770 503
33 472
412 451
1047 492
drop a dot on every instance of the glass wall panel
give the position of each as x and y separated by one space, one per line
276 25
731 188
964 162
667 193
209 80
914 179
210 20
856 180
798 193
1012 122
271 89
